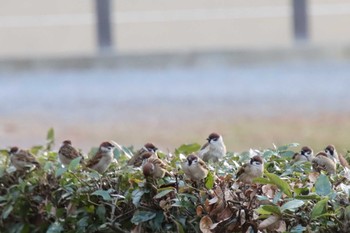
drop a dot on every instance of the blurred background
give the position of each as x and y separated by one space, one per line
171 72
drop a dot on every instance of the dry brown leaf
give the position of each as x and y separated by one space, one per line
313 176
207 206
213 200
137 229
269 190
217 208
205 224
199 210
225 214
165 205
282 226
269 222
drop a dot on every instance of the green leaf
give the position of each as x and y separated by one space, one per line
74 163
156 223
261 180
323 185
179 227
209 180
277 197
269 209
50 135
142 216
55 227
163 193
319 208
298 229
60 171
101 212
308 197
281 184
7 211
103 193
288 154
83 222
292 205
50 139
188 148
136 196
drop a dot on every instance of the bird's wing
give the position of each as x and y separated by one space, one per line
204 149
205 146
94 160
26 156
202 163
70 152
158 162
343 161
241 170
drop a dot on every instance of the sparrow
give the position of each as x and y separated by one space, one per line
322 162
195 168
153 167
67 153
103 158
214 149
22 159
137 159
251 170
306 154
335 156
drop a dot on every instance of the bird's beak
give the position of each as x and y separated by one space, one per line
208 139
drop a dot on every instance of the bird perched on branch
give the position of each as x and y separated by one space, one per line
251 170
103 158
195 168
306 154
22 159
137 159
153 167
322 162
335 156
67 153
214 149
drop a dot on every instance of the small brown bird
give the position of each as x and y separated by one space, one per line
22 159
335 156
153 167
322 162
137 159
103 158
67 153
214 149
306 154
195 168
251 170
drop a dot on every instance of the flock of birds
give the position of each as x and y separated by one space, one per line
194 166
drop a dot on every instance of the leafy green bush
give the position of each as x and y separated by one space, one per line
288 198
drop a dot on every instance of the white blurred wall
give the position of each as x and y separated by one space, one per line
64 27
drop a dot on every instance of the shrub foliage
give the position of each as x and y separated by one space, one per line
290 197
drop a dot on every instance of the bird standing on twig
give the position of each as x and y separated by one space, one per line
67 153
195 168
103 158
251 170
22 159
214 149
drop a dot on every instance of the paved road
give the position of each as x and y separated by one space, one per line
160 104
313 86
